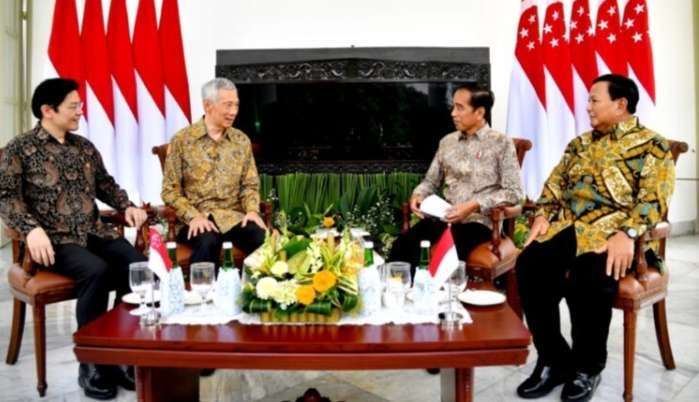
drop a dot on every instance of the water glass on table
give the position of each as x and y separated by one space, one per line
141 282
396 285
456 282
202 276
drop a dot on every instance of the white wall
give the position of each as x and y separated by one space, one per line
208 25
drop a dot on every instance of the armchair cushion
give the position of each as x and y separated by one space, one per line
631 288
44 283
483 259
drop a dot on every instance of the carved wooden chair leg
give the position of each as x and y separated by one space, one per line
18 311
629 352
40 347
661 333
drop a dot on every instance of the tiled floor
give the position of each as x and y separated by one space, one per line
653 382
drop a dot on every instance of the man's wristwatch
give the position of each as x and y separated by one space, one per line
631 232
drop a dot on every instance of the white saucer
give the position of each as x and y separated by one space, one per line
481 297
133 298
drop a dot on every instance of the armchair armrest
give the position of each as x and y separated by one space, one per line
660 232
499 214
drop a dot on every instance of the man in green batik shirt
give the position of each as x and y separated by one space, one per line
612 184
211 180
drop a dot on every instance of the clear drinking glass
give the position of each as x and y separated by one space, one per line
397 284
141 282
202 279
456 282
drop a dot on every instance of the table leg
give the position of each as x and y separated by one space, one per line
163 384
457 385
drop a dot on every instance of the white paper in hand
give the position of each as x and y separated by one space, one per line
435 205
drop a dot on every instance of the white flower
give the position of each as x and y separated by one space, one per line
279 268
266 287
285 293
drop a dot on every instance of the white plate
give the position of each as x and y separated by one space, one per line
481 297
133 298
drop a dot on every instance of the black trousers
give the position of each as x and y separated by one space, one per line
549 271
466 237
101 266
206 247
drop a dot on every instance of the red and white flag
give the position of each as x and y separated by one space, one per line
444 259
560 107
65 49
608 42
99 100
582 52
639 53
177 107
151 99
125 105
526 112
158 259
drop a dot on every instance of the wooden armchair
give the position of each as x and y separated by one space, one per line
32 284
645 287
498 256
184 251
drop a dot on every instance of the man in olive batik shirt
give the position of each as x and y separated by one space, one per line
612 184
211 179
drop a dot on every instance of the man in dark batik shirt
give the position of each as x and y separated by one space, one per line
49 180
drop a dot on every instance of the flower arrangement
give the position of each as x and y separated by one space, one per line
295 278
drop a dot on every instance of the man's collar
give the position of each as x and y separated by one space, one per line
480 133
44 135
620 129
199 130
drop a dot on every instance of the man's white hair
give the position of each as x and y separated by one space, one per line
209 91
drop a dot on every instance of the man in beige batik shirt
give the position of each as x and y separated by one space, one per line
478 168
211 179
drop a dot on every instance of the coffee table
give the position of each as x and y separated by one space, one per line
168 357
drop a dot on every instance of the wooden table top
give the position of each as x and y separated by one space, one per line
496 336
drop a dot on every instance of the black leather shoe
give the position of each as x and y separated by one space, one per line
207 372
124 377
95 383
581 388
433 371
542 381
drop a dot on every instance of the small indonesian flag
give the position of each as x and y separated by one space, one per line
158 260
444 258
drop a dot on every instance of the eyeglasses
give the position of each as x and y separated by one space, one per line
75 106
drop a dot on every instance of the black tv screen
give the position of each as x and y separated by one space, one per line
320 121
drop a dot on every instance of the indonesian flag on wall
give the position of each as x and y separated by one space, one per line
560 107
158 259
608 40
582 52
636 39
65 49
125 105
526 112
99 102
151 99
177 107
444 258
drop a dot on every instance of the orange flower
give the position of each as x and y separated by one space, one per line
328 222
324 280
305 294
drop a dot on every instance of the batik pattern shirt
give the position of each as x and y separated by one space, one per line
607 182
46 184
481 167
211 178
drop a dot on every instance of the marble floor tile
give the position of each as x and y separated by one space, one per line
652 381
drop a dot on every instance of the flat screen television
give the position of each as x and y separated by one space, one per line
351 121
